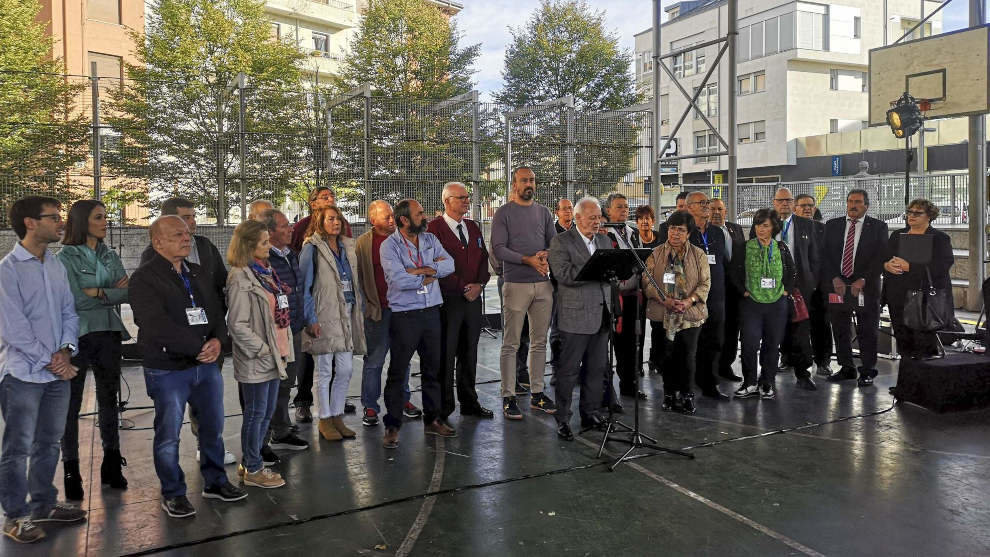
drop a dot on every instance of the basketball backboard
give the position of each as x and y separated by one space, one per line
951 69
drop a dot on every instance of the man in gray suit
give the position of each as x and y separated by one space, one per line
583 319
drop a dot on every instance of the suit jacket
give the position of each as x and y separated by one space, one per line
470 263
579 303
806 253
871 253
737 264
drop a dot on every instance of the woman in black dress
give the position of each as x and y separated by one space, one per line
900 276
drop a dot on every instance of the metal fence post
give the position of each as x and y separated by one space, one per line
241 83
475 158
367 139
97 148
508 155
221 174
569 149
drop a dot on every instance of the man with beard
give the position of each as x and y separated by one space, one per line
413 261
521 233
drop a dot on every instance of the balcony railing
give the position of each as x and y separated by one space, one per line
335 4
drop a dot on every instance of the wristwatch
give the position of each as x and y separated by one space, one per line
68 346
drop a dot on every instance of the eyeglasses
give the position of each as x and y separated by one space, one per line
702 203
787 199
459 197
914 214
54 216
806 205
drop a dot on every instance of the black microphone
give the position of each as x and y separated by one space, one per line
614 224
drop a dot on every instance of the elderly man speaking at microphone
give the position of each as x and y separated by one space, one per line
584 308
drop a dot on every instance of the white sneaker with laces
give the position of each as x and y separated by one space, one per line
228 457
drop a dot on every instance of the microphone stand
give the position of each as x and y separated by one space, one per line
637 439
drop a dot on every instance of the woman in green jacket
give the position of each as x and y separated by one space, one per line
99 283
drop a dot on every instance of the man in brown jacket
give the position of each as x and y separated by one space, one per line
377 315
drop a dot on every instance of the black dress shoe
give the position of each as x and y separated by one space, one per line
843 374
729 375
668 403
807 384
866 377
479 411
714 393
593 421
564 432
617 408
349 408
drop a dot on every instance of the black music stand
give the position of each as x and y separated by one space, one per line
611 266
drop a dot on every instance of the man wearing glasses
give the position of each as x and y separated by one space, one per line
38 336
799 235
821 329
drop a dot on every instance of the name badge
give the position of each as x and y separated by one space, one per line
862 300
197 316
711 259
767 282
425 289
283 301
347 285
668 278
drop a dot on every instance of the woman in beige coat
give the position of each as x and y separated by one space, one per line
258 324
334 315
681 270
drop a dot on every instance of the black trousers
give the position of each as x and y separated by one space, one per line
677 357
730 338
460 321
867 323
626 355
280 419
821 329
304 394
911 342
796 346
584 359
763 329
709 350
419 332
100 351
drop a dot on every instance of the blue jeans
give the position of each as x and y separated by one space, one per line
34 420
202 388
378 340
259 406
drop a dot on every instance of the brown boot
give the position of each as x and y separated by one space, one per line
338 424
391 440
327 430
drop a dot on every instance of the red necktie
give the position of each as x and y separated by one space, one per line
847 252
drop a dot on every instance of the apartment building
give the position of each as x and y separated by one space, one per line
86 31
801 71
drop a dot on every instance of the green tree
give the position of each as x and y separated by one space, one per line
178 114
564 49
43 134
409 52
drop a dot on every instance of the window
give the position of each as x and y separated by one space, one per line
742 133
699 60
708 101
771 40
811 30
745 86
705 142
689 63
648 61
756 40
664 110
107 65
679 66
321 42
742 44
276 31
759 82
833 125
857 27
760 130
787 32
865 77
833 80
104 10
863 124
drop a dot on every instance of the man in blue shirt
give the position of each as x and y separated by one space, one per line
413 260
38 335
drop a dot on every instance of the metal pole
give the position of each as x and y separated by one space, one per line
240 132
885 16
657 189
508 155
97 148
921 31
475 159
221 163
731 32
977 189
569 152
367 140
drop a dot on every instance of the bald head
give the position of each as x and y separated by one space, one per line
588 216
697 205
260 209
381 217
170 238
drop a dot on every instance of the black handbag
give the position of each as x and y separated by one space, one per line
928 309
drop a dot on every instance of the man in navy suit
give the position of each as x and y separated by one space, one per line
855 249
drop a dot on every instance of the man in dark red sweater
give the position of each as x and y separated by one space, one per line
460 314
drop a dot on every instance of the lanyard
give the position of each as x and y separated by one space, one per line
188 285
787 226
704 239
418 260
770 254
342 258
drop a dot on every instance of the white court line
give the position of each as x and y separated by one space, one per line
797 546
427 507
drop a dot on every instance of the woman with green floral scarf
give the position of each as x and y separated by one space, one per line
766 305
681 271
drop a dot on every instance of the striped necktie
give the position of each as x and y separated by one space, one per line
847 251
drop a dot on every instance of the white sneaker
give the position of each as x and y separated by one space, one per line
228 457
747 391
823 370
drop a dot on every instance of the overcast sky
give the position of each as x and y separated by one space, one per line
488 23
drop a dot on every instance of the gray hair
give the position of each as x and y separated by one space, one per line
612 197
376 205
447 189
270 219
694 193
587 200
